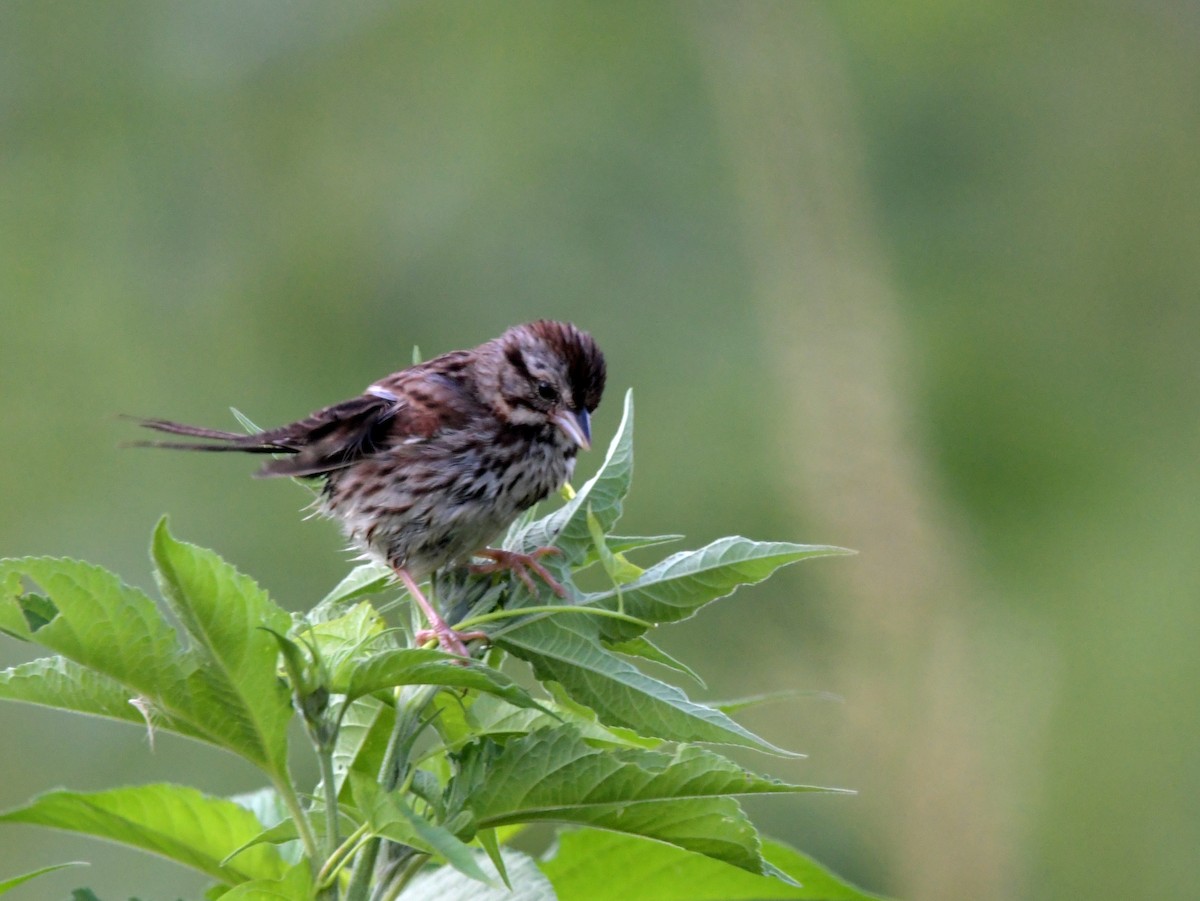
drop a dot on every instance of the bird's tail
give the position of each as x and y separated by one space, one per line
216 440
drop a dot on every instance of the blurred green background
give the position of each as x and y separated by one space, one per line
916 279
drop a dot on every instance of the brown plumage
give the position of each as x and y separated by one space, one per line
432 462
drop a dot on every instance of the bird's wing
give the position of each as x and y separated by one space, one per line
334 437
416 403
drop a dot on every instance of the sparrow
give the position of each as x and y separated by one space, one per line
432 463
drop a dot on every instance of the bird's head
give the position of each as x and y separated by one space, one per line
543 372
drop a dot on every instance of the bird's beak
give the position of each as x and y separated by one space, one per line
577 426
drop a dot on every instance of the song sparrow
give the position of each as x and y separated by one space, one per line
432 462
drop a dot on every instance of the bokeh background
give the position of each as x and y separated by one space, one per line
916 279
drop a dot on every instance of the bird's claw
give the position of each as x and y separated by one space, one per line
520 564
450 640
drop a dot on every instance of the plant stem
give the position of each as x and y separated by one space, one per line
344 851
405 877
287 794
408 721
329 791
364 871
550 608
410 704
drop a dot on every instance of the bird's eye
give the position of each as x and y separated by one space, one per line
546 391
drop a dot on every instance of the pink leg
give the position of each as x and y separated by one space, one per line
452 642
519 564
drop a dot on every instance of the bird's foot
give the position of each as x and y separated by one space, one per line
520 565
451 640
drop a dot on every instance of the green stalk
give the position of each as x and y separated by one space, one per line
287 794
329 791
364 870
408 722
395 759
497 615
406 875
341 854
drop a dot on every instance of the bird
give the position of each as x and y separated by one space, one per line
431 464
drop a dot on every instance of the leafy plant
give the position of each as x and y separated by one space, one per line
429 764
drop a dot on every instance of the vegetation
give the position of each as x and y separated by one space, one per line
429 765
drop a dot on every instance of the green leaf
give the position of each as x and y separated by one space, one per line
622 544
364 580
619 570
14 617
116 634
99 622
590 865
65 685
490 842
247 424
647 650
341 638
268 808
301 672
567 527
564 649
362 739
284 836
296 885
735 705
682 798
222 611
460 721
388 815
445 884
266 805
8 884
677 587
12 620
588 724
173 821
424 666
